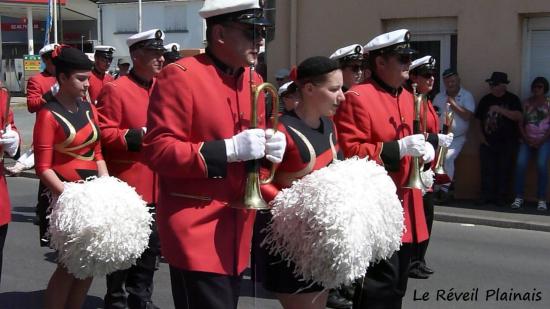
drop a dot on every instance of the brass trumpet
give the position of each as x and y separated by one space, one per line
252 198
415 181
439 168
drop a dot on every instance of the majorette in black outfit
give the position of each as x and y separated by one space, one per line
308 149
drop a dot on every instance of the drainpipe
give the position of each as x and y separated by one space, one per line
293 30
99 29
30 38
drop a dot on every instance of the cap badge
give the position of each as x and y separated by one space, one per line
158 34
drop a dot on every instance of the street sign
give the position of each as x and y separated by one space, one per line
31 62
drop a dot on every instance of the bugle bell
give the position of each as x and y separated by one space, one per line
252 198
439 168
415 180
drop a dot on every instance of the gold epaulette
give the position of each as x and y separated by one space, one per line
179 66
354 92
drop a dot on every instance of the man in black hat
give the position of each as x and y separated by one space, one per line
377 121
499 113
199 138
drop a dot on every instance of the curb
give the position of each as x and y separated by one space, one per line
495 222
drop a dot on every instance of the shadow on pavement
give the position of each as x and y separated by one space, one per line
33 299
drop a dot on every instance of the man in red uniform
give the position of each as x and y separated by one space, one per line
377 121
103 56
122 107
198 139
41 83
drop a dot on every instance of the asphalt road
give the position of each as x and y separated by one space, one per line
477 261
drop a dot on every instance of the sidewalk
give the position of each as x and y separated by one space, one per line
526 218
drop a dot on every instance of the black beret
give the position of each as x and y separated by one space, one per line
69 58
316 66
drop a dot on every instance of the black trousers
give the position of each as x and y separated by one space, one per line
497 165
42 211
385 282
202 290
133 287
419 250
3 233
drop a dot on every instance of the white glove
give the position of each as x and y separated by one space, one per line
9 141
275 144
412 145
429 153
247 145
445 140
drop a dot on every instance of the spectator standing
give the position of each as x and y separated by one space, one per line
499 113
461 102
535 132
123 65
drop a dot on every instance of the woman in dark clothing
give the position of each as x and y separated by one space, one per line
311 145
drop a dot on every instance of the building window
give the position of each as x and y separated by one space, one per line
126 19
175 18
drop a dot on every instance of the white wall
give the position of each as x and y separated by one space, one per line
153 16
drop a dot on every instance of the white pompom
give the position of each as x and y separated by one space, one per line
337 220
427 178
99 226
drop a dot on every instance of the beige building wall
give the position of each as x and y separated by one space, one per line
490 38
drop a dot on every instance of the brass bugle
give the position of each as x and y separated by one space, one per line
439 168
415 181
252 199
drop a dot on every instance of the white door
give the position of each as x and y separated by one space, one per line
536 60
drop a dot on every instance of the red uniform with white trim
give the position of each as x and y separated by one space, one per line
38 85
197 102
5 206
122 107
97 81
369 123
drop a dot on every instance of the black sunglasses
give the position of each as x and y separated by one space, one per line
355 68
250 33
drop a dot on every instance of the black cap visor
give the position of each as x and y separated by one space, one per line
153 44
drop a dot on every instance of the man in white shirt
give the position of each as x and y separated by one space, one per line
462 104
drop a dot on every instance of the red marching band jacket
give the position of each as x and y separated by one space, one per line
5 205
37 86
369 123
122 108
196 103
97 81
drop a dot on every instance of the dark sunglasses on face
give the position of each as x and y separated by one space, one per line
356 68
251 33
404 58
427 74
